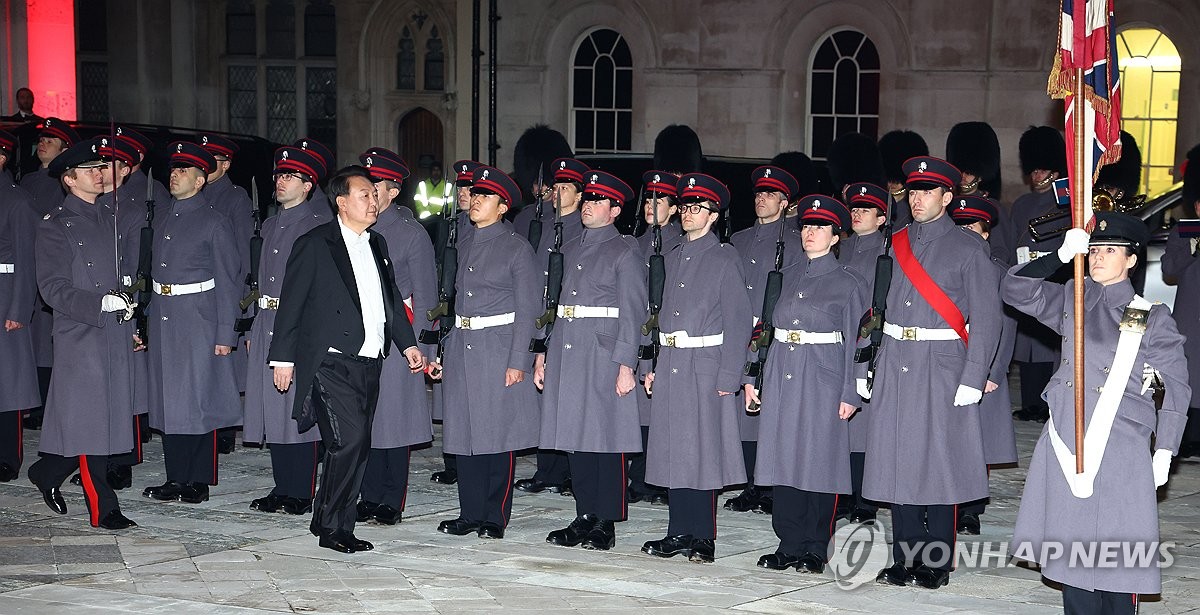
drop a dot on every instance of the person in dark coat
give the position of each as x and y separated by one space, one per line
758 246
808 391
193 390
981 215
490 406
694 448
588 371
924 440
267 413
860 251
1131 343
18 292
88 410
1181 265
553 469
402 414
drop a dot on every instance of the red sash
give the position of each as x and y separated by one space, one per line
933 295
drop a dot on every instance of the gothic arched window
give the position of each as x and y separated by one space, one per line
843 90
406 62
435 61
602 93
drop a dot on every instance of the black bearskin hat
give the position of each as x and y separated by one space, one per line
1124 174
854 157
677 150
801 167
897 146
974 148
537 148
1043 147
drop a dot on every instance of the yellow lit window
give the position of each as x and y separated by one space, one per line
1150 67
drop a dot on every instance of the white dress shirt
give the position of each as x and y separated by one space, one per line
370 290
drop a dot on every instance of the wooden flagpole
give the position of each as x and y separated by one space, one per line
1078 204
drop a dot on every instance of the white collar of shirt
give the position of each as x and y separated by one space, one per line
351 238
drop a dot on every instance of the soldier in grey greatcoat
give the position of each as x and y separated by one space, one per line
588 371
808 390
88 410
774 190
1181 265
267 416
694 448
402 415
490 406
924 440
193 390
660 211
860 251
18 292
1067 521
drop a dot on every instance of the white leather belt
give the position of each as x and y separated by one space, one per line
791 336
474 323
184 289
919 334
587 311
681 339
268 303
126 280
8 268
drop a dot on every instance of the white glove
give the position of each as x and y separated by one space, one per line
966 396
861 385
1162 466
1074 242
113 303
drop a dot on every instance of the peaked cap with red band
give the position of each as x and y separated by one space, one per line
695 187
774 179
818 208
601 185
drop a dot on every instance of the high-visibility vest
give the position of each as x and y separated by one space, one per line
430 198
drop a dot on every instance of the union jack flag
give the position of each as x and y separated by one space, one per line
1088 40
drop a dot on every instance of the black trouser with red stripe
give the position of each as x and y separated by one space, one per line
693 512
1083 602
926 532
803 520
191 458
294 468
386 480
50 470
598 480
12 439
141 429
485 487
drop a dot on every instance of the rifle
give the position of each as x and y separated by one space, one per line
871 325
657 279
443 313
242 325
141 285
554 276
762 342
535 225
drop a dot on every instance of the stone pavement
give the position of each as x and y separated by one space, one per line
220 557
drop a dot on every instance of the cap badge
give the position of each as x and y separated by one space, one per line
657 178
370 161
1103 224
284 155
816 204
962 203
862 190
179 148
767 173
120 131
104 142
484 175
562 164
691 182
204 140
921 167
304 145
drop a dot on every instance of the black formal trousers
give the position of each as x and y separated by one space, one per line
552 467
693 512
344 392
50 470
294 468
928 532
803 520
598 480
386 479
485 487
191 458
12 439
1034 377
1083 602
637 470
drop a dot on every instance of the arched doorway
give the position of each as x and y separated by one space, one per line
419 139
1150 71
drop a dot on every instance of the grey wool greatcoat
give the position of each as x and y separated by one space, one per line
1182 264
860 253
402 415
672 236
89 406
131 212
232 200
47 195
756 247
804 443
496 275
1035 343
694 441
192 390
995 409
921 448
1123 505
268 413
580 407
18 294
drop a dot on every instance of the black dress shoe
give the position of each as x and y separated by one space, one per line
565 488
77 480
458 527
358 544
532 485
575 533
225 445
602 537
669 546
337 542
1037 415
366 511
165 492
32 422
896 574
295 506
633 497
119 477
116 521
929 578
314 526
268 504
1188 449
811 563
387 515
491 530
193 493
968 524
660 499
745 501
7 473
444 477
778 561
703 550
765 505
862 515
54 499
